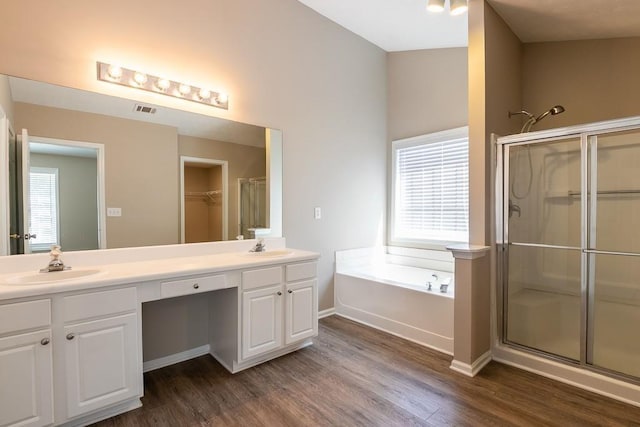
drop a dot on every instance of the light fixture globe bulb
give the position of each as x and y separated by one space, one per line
184 89
140 78
114 72
204 94
458 7
222 98
163 84
435 5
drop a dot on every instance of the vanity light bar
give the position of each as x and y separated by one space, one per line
136 79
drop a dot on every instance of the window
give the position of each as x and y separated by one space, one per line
431 189
43 194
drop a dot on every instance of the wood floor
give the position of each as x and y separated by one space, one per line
356 376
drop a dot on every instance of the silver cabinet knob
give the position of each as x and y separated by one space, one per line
279 293
290 291
45 341
71 336
196 286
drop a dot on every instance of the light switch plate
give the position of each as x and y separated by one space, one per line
317 213
114 211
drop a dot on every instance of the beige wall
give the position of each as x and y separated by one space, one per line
78 199
243 162
427 91
593 79
495 68
495 64
141 175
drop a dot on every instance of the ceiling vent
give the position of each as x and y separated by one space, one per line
139 108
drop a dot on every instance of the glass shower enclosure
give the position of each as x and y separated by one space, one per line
252 206
568 240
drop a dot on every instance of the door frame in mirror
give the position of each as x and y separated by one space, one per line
100 169
4 183
225 193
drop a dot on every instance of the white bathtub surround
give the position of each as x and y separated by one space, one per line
386 288
472 332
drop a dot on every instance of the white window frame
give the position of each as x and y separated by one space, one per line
437 137
39 247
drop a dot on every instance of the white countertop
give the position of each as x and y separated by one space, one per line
118 273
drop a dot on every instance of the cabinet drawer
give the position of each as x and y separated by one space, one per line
96 304
305 270
176 288
25 315
262 277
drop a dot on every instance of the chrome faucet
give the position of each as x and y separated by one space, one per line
445 285
259 247
56 263
435 279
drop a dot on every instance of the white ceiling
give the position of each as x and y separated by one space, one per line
395 25
398 25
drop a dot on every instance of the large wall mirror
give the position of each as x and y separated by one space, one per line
91 171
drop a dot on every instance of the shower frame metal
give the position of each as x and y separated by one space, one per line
588 134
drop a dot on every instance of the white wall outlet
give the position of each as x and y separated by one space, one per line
114 211
317 213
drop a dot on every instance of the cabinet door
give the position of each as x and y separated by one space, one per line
261 321
26 388
101 363
301 319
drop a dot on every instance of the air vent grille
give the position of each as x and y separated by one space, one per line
139 108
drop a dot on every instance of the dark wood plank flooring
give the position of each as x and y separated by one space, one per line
357 376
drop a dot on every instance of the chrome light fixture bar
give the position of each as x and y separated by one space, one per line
131 78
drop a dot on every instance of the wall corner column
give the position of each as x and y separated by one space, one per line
472 308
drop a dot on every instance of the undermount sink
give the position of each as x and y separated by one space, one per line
39 278
270 254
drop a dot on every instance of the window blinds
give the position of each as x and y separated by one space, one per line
432 191
43 193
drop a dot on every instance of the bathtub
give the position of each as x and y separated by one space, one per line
386 293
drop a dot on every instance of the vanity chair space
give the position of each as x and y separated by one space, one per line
71 348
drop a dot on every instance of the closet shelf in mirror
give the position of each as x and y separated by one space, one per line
210 195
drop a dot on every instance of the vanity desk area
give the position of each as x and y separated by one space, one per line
71 348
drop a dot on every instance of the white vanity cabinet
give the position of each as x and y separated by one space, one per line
76 353
301 317
279 307
100 346
71 348
26 371
262 303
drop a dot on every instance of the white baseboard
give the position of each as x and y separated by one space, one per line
154 364
473 369
423 338
326 313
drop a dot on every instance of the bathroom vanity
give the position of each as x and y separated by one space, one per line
71 341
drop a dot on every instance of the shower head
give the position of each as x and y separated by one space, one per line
557 109
532 120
